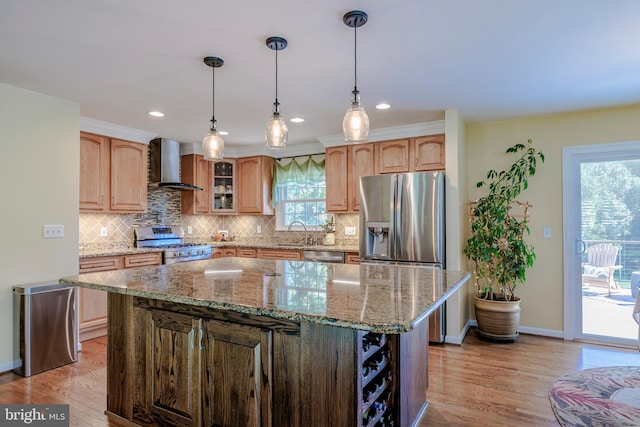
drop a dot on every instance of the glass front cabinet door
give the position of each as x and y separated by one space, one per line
224 187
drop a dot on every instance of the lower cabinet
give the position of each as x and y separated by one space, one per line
202 371
286 254
92 307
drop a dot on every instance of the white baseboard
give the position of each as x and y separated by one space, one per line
542 332
457 340
5 367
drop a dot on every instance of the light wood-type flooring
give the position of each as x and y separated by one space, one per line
476 384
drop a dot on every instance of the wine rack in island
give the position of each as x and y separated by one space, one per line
377 380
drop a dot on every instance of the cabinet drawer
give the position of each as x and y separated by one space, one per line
227 252
140 260
352 258
279 254
89 265
247 252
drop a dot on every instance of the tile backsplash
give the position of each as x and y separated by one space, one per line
163 208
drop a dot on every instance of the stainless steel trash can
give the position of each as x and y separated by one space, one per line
45 327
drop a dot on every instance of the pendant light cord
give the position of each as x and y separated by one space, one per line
355 59
213 98
277 110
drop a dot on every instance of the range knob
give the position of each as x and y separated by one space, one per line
189 253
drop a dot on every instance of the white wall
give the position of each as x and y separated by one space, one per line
39 169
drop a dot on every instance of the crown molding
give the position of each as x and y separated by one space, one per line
394 132
115 131
304 149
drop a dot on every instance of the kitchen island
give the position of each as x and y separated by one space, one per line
239 341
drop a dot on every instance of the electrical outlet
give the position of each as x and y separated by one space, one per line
189 230
258 229
53 231
103 232
546 232
350 231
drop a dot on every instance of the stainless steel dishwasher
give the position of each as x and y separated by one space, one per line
324 256
45 327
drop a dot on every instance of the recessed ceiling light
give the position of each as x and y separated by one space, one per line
297 119
156 114
383 106
222 132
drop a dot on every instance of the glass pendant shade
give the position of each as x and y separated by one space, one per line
212 143
276 132
213 146
355 125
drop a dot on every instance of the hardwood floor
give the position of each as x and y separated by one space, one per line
476 384
491 384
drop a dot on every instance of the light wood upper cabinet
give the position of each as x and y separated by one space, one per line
194 169
393 156
255 175
361 163
94 172
128 176
336 160
223 187
428 152
344 167
113 175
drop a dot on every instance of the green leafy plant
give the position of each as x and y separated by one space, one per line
499 223
329 226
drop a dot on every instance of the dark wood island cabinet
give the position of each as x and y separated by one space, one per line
247 342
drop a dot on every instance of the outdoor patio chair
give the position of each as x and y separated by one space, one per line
600 266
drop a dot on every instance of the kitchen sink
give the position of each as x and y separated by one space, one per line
323 256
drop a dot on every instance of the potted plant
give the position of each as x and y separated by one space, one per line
499 223
329 228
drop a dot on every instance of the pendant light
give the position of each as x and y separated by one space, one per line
355 125
212 143
276 132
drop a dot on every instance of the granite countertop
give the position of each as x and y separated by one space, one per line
370 297
231 244
288 246
116 251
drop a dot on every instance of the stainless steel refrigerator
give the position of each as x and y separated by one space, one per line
402 221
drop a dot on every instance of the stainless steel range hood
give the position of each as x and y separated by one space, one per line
164 165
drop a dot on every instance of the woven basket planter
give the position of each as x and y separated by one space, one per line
498 320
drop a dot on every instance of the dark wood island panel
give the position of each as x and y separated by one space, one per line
177 364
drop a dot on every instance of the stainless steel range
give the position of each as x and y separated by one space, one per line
171 240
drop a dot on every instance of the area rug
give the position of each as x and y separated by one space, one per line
607 396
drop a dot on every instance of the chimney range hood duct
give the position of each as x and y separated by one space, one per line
164 165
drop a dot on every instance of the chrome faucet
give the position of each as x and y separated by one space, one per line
306 237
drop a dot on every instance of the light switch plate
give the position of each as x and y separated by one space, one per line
103 232
53 231
189 229
546 232
350 231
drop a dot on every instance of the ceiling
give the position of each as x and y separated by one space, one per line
490 59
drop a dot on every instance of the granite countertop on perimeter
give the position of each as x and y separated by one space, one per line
116 252
371 297
229 244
